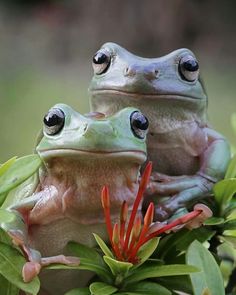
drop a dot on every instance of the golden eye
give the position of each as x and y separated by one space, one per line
101 61
139 124
54 121
189 68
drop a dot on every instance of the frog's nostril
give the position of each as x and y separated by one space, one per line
85 127
129 71
151 74
156 73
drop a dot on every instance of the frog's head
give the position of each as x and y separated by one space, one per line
124 79
68 134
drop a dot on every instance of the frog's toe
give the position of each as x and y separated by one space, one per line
30 271
67 260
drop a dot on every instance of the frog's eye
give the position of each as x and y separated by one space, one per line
54 121
101 61
139 124
189 68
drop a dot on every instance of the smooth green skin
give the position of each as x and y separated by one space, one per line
63 202
188 156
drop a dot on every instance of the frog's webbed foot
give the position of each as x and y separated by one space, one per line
182 192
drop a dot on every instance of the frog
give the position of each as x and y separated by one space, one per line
188 155
62 202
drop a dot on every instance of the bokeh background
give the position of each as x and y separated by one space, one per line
46 48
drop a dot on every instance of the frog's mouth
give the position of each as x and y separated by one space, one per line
131 155
137 95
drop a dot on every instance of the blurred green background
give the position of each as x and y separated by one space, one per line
46 50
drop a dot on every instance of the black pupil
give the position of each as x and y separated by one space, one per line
54 118
100 58
191 65
140 121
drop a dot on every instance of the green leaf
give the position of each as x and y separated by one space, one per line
147 250
117 267
11 264
147 272
4 167
180 283
148 288
99 288
7 216
12 220
83 251
210 276
224 191
231 170
78 291
90 260
181 240
18 172
4 237
231 241
214 221
103 246
2 198
231 224
7 288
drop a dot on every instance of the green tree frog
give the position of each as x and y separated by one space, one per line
189 157
62 203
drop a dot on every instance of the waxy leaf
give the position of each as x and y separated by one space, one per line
153 271
224 191
7 288
5 166
90 260
180 283
210 276
7 216
214 221
83 251
11 264
79 291
147 250
148 288
18 172
4 237
117 267
231 170
103 246
2 198
12 221
98 288
181 240
230 225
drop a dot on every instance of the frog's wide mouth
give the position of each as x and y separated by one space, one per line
136 155
138 95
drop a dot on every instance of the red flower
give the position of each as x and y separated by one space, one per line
127 240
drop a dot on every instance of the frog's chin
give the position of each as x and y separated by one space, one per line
136 156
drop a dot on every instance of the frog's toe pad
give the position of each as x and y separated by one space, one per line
30 271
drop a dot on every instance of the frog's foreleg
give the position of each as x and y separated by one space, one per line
186 190
18 231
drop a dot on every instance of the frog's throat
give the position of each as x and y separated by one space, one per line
138 156
78 186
